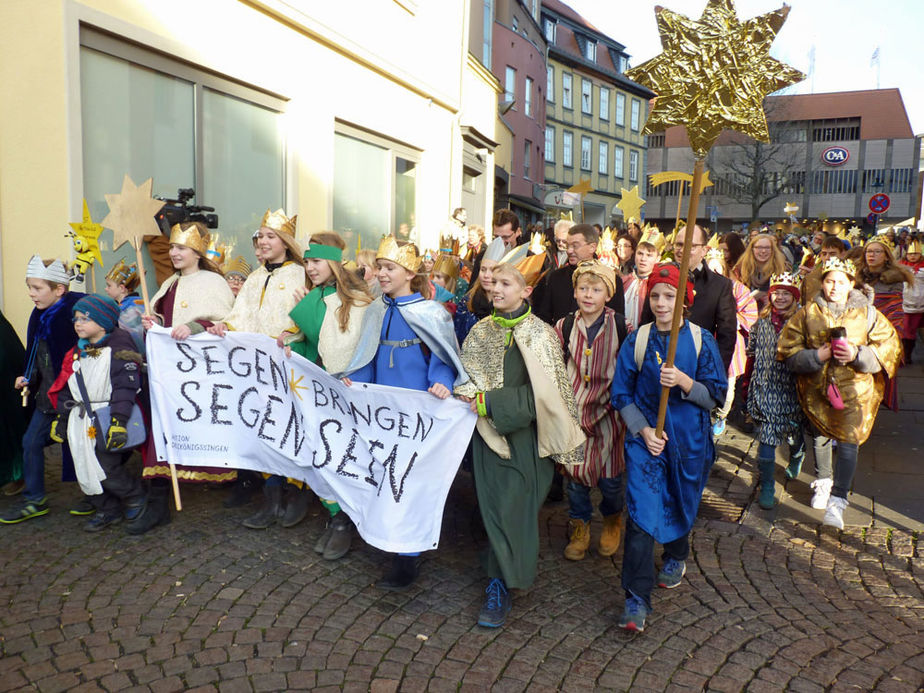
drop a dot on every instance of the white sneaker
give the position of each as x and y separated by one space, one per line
834 513
822 489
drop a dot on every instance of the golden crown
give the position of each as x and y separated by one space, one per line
713 241
653 236
607 239
715 254
218 252
279 222
406 255
190 235
914 246
536 244
884 240
784 279
835 264
237 266
124 274
448 265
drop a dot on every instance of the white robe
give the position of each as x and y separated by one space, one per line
83 447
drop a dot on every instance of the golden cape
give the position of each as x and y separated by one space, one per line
861 392
202 295
559 433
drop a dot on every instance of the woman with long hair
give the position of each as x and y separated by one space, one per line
732 247
886 279
761 260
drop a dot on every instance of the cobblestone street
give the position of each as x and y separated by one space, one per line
771 601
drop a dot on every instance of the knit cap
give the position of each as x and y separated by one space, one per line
100 309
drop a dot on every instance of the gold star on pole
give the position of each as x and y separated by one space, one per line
662 177
714 73
89 232
631 203
131 213
581 188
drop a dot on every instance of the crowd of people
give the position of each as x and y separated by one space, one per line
557 339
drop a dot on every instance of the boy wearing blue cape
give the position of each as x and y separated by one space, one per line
666 475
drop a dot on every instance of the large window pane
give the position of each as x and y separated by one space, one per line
135 121
361 191
241 142
405 200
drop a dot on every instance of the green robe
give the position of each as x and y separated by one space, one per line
308 316
511 492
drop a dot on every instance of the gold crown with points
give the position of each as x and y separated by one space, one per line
192 235
124 274
237 266
536 244
914 246
448 265
715 254
653 236
884 240
608 239
785 280
836 264
406 255
279 222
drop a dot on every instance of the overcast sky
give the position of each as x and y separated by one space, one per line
844 32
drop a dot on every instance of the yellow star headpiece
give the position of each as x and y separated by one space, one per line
406 255
713 74
279 222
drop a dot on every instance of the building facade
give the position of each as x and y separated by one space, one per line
829 155
255 105
594 118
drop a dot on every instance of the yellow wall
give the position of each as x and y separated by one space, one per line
396 72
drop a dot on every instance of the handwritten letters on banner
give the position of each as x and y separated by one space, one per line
387 455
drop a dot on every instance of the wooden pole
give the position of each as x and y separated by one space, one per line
679 202
582 208
139 260
681 290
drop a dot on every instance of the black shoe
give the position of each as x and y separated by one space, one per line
134 510
101 520
156 511
496 605
270 511
401 575
243 489
297 502
341 536
83 507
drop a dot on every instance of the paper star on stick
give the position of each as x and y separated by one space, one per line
631 203
657 179
714 73
89 232
131 213
581 188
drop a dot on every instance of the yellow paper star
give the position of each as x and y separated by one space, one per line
131 213
89 232
657 179
295 383
581 188
631 203
714 73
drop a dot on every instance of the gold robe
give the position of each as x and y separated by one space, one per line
861 392
202 295
264 302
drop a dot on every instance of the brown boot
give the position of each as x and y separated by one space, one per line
579 539
612 534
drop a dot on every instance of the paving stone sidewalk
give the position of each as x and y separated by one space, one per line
770 602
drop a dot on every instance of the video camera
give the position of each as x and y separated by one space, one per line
179 211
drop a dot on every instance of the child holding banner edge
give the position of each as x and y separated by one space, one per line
262 307
527 421
405 341
329 316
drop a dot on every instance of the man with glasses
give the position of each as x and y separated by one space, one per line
553 297
562 227
507 229
713 306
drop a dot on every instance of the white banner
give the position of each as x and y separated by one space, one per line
387 455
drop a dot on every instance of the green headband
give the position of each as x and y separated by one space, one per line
323 252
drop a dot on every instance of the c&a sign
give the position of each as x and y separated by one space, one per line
835 156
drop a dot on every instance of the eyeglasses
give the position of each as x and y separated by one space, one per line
81 319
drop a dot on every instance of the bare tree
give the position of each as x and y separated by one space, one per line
754 173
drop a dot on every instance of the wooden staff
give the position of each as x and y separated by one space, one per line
136 244
682 288
679 202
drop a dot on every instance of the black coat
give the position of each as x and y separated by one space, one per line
553 297
713 309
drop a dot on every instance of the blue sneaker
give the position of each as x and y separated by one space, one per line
496 605
634 615
101 520
24 510
718 428
672 573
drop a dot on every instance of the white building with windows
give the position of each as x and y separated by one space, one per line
594 117
255 105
